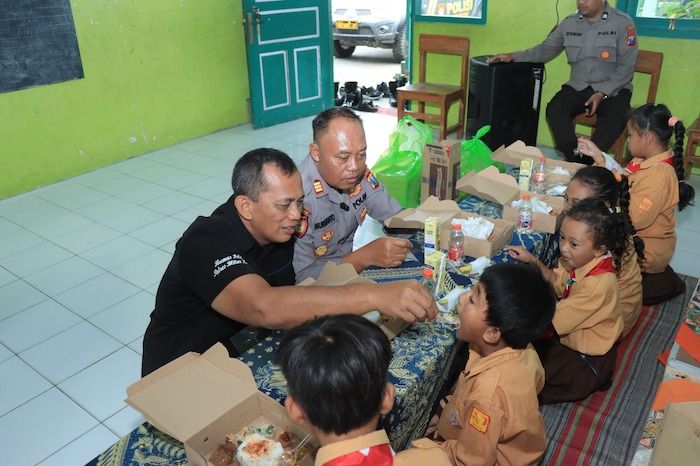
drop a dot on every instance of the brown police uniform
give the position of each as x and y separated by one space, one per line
653 201
493 416
330 218
630 282
373 450
602 56
580 358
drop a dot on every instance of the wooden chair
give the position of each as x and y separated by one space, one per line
648 63
689 158
442 95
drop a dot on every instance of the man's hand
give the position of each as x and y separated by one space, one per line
593 103
405 299
382 252
501 57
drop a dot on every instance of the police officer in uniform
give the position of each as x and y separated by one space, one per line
339 192
601 47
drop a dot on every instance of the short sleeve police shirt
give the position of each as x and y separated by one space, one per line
213 252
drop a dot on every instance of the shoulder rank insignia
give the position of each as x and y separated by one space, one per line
321 250
479 420
363 214
372 180
303 223
318 187
356 190
327 235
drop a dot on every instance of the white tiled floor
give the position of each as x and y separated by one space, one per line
79 265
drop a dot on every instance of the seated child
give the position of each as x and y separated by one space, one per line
579 358
657 185
600 183
493 416
336 370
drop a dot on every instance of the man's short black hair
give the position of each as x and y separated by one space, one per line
336 369
248 177
323 119
521 302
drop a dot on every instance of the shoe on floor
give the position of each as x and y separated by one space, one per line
371 93
365 107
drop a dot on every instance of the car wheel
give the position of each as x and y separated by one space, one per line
342 51
400 47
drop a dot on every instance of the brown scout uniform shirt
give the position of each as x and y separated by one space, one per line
588 320
493 416
424 453
630 282
653 201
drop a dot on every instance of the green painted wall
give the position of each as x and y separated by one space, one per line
157 72
516 25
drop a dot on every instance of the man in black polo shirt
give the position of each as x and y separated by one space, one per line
233 269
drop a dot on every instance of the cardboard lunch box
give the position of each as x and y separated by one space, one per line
473 247
334 274
414 219
199 398
502 189
679 439
441 169
516 152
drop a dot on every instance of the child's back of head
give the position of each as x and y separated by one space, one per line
336 369
521 302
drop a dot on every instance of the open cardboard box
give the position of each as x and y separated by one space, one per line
473 247
679 439
502 189
198 399
415 218
334 274
516 152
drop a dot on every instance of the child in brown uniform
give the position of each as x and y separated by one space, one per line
579 357
493 416
336 369
657 186
600 183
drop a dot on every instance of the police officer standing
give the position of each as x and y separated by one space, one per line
339 192
601 47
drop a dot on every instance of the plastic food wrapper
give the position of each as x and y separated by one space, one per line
537 205
479 265
611 164
561 171
475 227
556 190
399 167
448 303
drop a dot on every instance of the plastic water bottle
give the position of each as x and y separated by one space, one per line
427 280
525 215
539 180
456 248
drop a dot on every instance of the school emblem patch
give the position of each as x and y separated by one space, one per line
356 190
631 36
646 204
479 420
372 180
604 54
318 187
363 214
321 250
327 235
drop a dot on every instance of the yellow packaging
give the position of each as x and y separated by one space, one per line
432 236
438 262
525 174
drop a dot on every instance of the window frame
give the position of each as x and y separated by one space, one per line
660 27
448 19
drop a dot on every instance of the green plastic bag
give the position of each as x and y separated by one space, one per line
476 155
399 167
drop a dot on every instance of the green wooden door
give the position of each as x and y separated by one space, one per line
289 58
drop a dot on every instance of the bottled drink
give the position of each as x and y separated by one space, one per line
525 215
539 179
455 251
427 280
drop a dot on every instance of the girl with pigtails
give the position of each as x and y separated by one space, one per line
656 186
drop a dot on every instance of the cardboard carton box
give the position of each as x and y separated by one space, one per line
334 274
679 439
440 169
518 151
414 219
502 189
198 399
501 236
